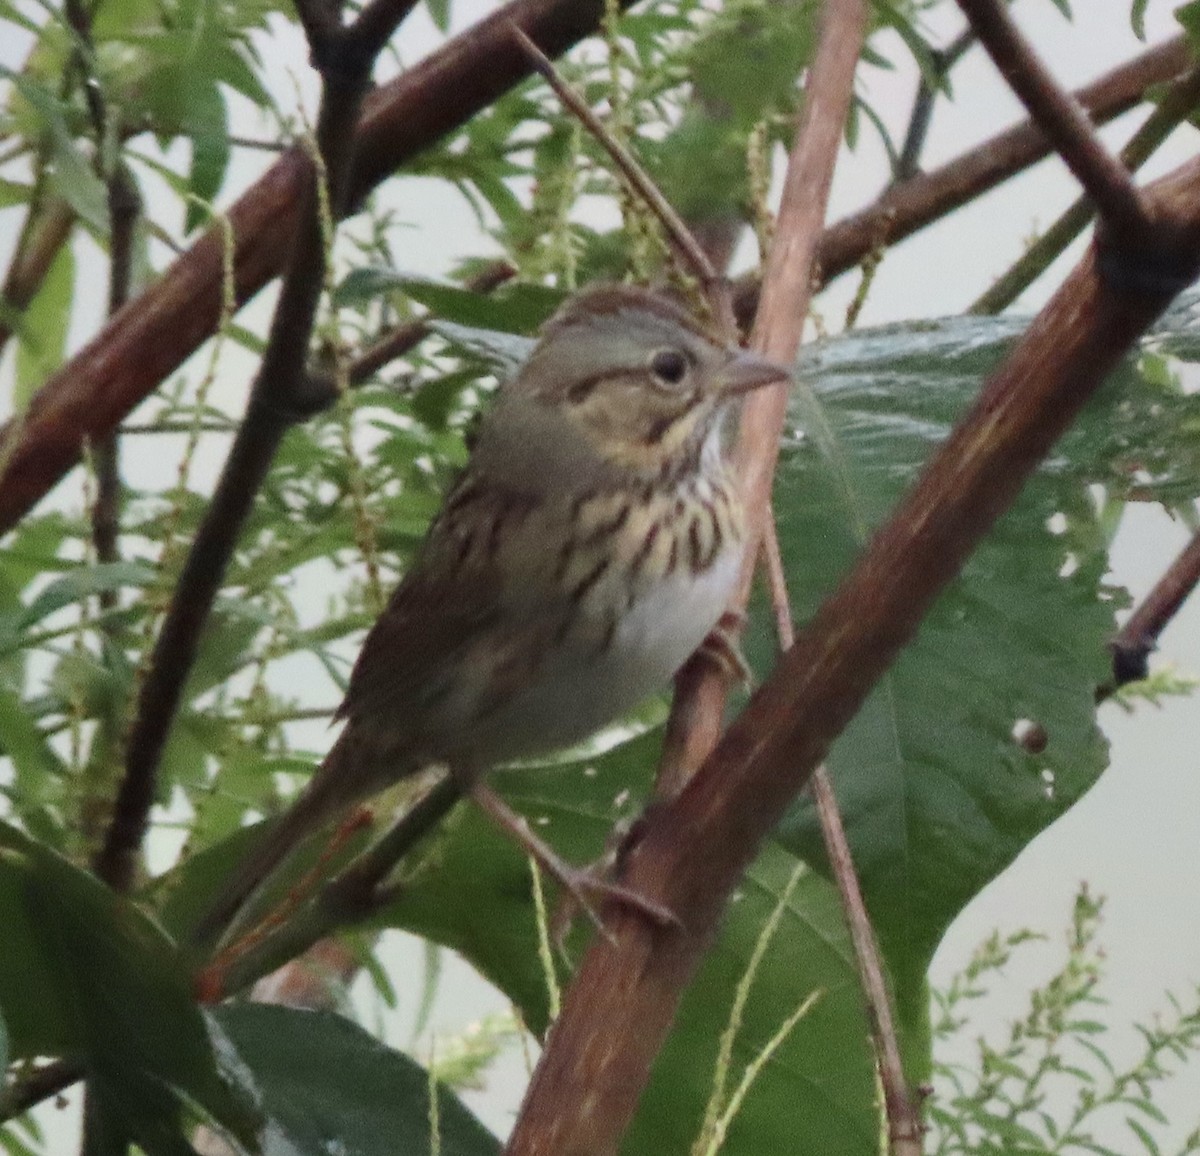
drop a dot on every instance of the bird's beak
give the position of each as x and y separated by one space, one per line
746 371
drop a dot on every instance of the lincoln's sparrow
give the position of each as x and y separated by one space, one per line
588 549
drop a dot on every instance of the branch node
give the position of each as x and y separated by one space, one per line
1156 259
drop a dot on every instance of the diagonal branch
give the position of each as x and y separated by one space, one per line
695 849
1180 100
905 208
701 687
1062 118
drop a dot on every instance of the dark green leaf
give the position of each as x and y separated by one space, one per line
32 755
322 1080
210 153
70 175
81 583
938 797
86 973
514 309
1188 16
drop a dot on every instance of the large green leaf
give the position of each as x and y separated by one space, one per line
326 1085
85 973
937 795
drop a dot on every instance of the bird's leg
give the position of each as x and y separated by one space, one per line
721 647
578 882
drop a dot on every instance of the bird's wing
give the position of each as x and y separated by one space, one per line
455 594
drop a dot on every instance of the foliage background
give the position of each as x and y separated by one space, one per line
1116 839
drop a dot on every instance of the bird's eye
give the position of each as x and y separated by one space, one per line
669 365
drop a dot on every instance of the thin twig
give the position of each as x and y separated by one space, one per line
124 208
701 687
1139 636
1060 116
678 234
903 1117
944 60
46 229
31 1089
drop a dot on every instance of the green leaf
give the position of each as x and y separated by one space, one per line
439 13
319 1076
1188 16
81 583
210 152
84 972
30 751
1137 18
519 308
937 796
13 193
42 328
70 175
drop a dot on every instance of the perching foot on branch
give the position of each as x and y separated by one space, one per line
580 883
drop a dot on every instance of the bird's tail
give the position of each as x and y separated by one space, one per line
337 784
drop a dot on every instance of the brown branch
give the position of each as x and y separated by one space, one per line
1179 101
1060 116
148 341
1139 636
701 687
282 393
904 1120
29 1090
694 850
910 205
586 1087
